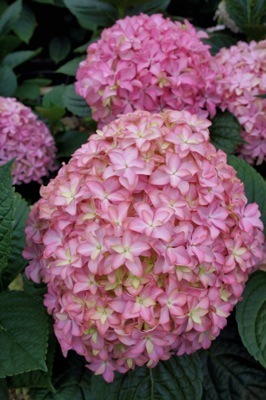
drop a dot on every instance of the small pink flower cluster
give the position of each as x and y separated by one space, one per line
145 240
243 77
27 139
148 63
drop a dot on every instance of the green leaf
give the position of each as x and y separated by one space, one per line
58 3
217 41
246 12
44 1
8 44
9 17
92 14
72 382
12 60
30 88
70 68
37 379
52 114
83 48
23 334
178 378
36 290
8 81
27 90
16 262
150 7
6 213
25 25
255 185
225 132
39 81
251 316
54 97
69 141
74 103
229 372
59 48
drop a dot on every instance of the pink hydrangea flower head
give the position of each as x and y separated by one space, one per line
242 80
145 241
148 63
24 137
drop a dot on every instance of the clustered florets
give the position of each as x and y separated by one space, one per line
242 79
148 63
145 240
24 137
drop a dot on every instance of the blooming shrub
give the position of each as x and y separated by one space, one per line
145 240
27 139
149 63
243 78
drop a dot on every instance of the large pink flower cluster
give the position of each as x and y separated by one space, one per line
145 240
148 63
24 137
242 79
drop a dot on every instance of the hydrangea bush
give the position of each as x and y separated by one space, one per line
145 241
27 139
149 63
242 80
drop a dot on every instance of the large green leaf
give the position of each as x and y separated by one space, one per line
255 185
54 97
23 334
74 103
9 17
36 290
251 316
6 214
230 373
8 81
92 13
225 132
8 44
37 379
70 68
25 25
30 88
246 12
71 381
179 378
12 60
27 90
219 40
59 48
16 262
52 114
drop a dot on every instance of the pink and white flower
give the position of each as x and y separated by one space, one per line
138 272
242 80
148 63
27 139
